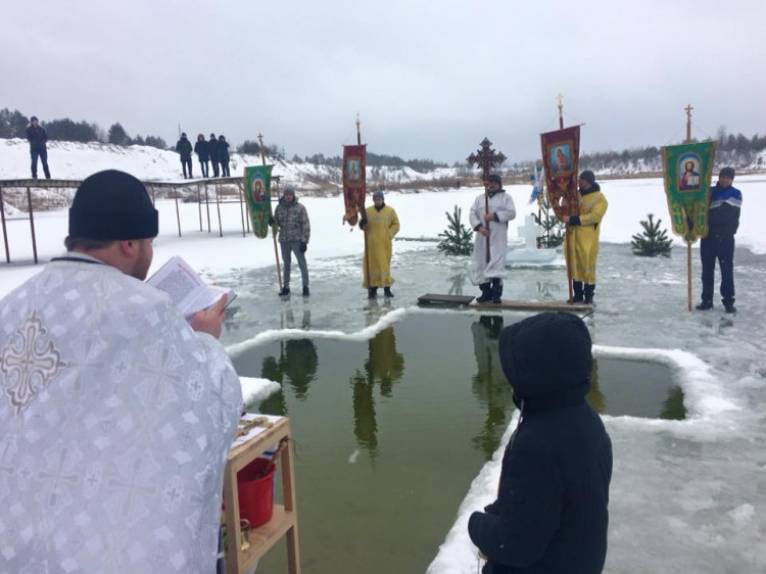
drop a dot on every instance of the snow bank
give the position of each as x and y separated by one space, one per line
255 390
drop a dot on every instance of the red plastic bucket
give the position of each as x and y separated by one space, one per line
256 491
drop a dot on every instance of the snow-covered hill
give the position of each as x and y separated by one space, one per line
74 160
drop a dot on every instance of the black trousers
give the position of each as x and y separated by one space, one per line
215 167
203 164
186 162
42 153
225 169
721 248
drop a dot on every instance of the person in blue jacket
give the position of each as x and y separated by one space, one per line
723 222
551 512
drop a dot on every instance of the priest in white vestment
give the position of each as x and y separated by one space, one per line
489 217
116 414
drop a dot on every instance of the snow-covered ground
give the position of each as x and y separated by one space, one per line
687 496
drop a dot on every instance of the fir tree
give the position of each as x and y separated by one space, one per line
652 241
553 227
458 239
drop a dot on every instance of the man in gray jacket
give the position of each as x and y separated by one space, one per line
294 232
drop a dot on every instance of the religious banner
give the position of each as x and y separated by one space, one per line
354 181
258 196
561 154
687 169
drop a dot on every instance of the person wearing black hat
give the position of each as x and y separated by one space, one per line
102 374
37 138
212 150
184 149
294 233
585 234
723 222
201 149
489 217
223 156
551 512
380 224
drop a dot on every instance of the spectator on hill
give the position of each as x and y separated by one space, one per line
37 146
184 148
201 149
212 150
223 156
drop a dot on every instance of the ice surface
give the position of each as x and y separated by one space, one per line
686 496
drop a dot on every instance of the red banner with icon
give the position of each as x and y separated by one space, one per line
561 155
354 181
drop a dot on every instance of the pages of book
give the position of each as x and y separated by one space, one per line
186 288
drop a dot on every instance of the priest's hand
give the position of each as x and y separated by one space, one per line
565 218
489 216
210 320
484 231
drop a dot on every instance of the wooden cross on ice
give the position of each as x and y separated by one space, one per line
486 158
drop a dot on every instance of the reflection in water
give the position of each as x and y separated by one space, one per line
456 284
299 363
365 424
384 366
673 408
595 397
489 383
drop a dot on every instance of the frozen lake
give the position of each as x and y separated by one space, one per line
687 495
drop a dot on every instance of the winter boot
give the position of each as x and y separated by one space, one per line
705 306
577 290
497 291
729 307
285 292
387 292
486 293
306 291
589 289
372 292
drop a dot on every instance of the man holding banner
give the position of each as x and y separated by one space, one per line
585 231
294 234
723 221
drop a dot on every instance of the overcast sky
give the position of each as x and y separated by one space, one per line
430 79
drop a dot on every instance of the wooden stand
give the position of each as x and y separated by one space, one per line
284 521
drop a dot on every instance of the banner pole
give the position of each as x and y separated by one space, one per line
688 110
567 248
364 211
273 227
689 273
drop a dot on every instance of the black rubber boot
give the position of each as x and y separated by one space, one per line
387 292
486 293
285 292
306 291
497 291
577 290
589 289
372 292
705 306
729 307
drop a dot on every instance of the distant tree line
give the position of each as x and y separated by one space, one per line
254 148
373 160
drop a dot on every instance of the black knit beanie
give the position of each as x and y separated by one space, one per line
727 172
588 176
112 205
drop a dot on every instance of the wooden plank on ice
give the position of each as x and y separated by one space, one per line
440 300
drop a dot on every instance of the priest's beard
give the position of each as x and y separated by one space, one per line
143 260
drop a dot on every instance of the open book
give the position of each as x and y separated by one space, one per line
186 288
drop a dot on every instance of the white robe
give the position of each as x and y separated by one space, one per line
502 205
115 422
